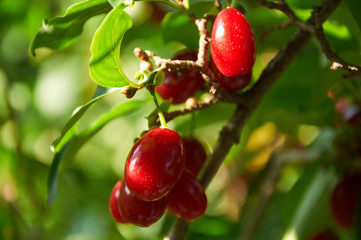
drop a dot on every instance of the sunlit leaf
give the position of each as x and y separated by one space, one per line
82 137
75 141
306 202
105 67
66 134
115 3
61 31
53 173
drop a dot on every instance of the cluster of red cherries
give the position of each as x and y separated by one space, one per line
233 53
161 168
160 173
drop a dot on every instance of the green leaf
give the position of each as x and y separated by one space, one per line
306 204
82 137
354 6
119 110
178 27
53 173
115 3
159 77
61 31
68 131
105 67
72 141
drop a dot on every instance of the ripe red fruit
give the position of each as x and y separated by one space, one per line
154 164
179 86
113 202
194 155
324 235
232 46
345 198
137 211
187 199
231 84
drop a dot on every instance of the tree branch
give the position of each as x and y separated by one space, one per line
337 61
230 133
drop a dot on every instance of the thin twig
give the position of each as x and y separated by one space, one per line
197 106
337 61
268 31
283 7
204 41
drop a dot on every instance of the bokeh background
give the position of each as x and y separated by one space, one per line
296 124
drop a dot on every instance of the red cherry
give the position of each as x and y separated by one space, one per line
324 235
194 154
154 164
345 198
113 202
179 86
233 46
187 199
137 211
231 84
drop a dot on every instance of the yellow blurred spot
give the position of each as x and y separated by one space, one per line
259 161
307 133
9 192
262 158
262 136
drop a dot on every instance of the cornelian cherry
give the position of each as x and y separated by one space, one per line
232 44
137 211
179 86
113 202
187 199
345 198
231 84
154 164
194 154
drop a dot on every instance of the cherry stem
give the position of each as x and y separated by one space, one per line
163 123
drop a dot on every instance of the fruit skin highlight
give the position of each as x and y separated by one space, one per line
345 198
233 48
154 164
179 86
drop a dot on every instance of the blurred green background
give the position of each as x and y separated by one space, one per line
296 123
